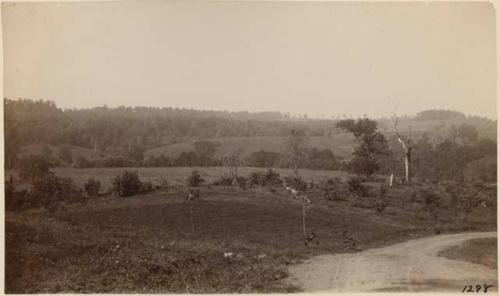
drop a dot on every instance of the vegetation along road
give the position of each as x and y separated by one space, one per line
410 266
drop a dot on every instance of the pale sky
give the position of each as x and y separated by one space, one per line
321 58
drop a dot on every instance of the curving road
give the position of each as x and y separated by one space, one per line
409 266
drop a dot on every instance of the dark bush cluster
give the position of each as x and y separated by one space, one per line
128 184
45 192
296 183
223 181
195 179
92 187
269 178
333 189
356 186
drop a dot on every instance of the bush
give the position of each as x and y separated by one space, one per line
51 189
34 166
333 189
296 183
128 184
272 178
432 202
195 179
223 181
242 182
355 186
257 178
380 203
269 178
92 187
15 200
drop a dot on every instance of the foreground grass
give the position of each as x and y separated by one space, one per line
478 251
146 243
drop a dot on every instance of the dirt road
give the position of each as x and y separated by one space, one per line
409 266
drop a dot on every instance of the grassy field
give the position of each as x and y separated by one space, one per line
469 252
146 243
340 144
178 175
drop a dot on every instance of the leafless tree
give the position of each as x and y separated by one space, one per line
297 144
233 161
406 144
304 199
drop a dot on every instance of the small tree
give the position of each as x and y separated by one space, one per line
193 196
233 162
297 143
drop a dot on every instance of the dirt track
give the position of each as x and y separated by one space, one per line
409 266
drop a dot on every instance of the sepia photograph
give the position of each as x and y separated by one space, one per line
228 147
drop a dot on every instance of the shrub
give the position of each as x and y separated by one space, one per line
269 178
15 200
432 202
92 187
128 184
380 203
257 178
195 179
272 178
34 166
296 183
223 181
333 189
242 182
355 186
52 189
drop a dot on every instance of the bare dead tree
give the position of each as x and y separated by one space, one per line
304 199
233 161
406 144
193 195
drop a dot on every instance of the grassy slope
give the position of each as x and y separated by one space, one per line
145 243
487 254
340 144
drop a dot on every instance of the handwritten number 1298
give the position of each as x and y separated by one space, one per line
470 288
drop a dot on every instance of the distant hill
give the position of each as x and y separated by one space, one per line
114 131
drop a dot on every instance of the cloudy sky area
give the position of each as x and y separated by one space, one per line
321 58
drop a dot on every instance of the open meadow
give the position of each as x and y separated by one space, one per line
236 240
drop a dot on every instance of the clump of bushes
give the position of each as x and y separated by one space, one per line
333 189
46 191
16 199
52 189
92 187
269 178
355 186
296 183
241 181
223 181
128 184
195 179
